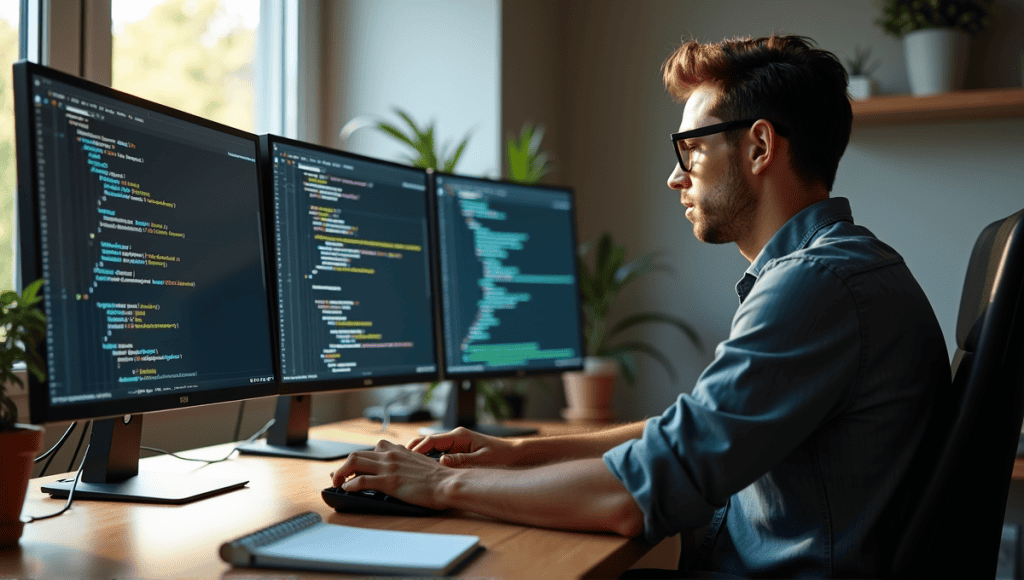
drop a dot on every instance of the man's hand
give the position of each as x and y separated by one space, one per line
572 495
465 448
396 471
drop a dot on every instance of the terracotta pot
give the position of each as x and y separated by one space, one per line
588 393
17 450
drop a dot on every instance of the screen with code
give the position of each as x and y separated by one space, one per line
151 248
509 291
353 268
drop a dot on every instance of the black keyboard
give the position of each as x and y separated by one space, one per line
370 501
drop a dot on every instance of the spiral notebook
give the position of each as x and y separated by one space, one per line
306 542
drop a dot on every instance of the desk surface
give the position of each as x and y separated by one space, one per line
97 539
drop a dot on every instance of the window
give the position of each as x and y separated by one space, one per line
9 20
193 55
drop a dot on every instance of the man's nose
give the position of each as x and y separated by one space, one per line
677 180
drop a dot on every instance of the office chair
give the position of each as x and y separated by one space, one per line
954 529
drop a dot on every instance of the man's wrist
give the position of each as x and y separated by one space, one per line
451 490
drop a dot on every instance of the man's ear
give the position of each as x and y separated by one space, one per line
764 142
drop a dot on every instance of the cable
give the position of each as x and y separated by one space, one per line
71 494
252 438
59 443
81 467
53 450
238 424
79 446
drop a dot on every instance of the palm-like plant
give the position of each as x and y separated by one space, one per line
600 285
422 142
22 326
526 162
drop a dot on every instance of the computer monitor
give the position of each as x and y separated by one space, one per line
352 282
508 277
144 222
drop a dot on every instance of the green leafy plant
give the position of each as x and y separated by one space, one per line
423 143
900 17
495 395
600 284
22 326
858 65
526 162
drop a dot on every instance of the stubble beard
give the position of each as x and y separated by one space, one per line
728 211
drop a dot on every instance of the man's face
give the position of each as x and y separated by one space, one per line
719 199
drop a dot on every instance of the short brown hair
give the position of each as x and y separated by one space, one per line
783 79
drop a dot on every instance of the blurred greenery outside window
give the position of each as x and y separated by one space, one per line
193 55
9 17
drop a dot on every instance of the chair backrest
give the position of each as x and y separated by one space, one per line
954 528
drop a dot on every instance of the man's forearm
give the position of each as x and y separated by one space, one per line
591 444
574 495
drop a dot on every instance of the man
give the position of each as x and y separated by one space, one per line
786 459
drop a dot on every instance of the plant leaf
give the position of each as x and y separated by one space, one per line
640 346
395 132
30 295
449 165
627 364
652 317
641 267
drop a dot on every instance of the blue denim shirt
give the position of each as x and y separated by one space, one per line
795 437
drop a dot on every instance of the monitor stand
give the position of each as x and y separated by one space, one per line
111 471
289 435
460 411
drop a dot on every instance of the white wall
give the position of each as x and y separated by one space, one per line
926 189
437 59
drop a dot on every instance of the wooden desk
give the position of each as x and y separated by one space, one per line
96 539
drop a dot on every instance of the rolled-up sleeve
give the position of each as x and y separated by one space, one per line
789 364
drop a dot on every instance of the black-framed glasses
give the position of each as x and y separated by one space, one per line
683 153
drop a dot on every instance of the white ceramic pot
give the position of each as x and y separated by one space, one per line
861 87
936 59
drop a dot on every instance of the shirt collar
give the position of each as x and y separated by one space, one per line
796 234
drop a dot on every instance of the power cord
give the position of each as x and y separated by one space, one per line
81 438
53 450
238 423
81 467
71 494
252 438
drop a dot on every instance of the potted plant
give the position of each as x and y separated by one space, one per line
589 392
936 36
862 84
526 162
421 140
22 326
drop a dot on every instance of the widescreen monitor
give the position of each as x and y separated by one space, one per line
509 290
145 224
352 281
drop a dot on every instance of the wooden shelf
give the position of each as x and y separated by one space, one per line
955 106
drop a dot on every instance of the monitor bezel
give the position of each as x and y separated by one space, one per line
41 411
267 142
442 328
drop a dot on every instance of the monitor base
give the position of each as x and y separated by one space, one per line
167 488
311 449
